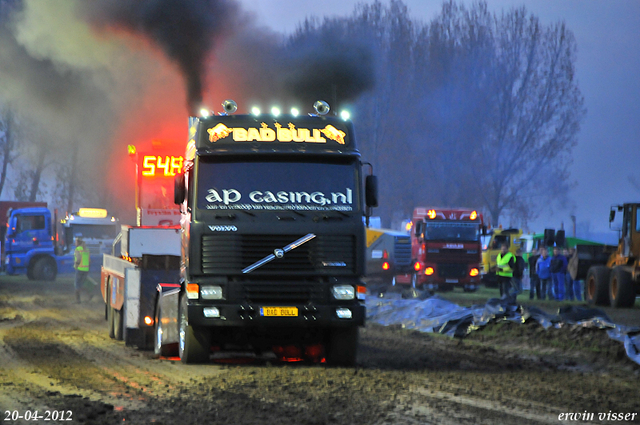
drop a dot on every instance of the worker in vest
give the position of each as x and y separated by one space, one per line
81 264
505 262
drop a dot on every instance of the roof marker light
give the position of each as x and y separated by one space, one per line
345 115
255 111
295 112
205 112
275 111
321 107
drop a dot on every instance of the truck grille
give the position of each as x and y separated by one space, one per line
277 292
452 271
228 253
402 251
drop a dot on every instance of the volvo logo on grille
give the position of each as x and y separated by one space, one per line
334 264
278 253
223 228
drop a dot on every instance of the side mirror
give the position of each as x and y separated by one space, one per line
612 215
371 191
484 230
419 229
179 192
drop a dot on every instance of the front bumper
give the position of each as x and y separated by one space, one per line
249 315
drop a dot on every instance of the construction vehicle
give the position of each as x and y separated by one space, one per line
514 240
271 257
445 249
612 273
388 254
36 245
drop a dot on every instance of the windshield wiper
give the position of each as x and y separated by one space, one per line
279 253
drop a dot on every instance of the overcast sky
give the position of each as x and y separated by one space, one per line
608 70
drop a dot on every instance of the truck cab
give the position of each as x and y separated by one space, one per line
273 239
29 244
446 249
34 247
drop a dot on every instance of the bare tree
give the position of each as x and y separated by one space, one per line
537 108
471 109
8 143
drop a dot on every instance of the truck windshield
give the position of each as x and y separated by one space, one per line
277 185
92 231
451 231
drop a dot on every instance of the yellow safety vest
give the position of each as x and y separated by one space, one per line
504 261
84 259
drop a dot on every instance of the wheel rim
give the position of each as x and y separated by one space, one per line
614 287
591 288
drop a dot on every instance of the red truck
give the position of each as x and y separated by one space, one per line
445 249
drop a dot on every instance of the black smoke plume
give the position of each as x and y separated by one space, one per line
185 30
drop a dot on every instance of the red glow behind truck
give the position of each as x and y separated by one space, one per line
445 248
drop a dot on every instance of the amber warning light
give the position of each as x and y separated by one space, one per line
431 214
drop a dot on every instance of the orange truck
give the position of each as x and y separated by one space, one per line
445 248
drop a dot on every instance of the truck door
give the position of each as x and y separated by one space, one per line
30 232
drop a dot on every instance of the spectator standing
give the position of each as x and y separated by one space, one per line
558 271
574 287
518 272
505 261
533 275
543 269
81 264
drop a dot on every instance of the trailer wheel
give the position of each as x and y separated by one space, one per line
45 269
118 316
109 313
342 346
597 285
160 349
194 344
622 291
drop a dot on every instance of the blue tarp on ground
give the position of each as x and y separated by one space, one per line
433 314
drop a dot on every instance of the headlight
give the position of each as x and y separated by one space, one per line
343 292
211 292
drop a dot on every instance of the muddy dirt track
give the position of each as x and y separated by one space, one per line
57 359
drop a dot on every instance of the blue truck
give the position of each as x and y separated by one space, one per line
36 245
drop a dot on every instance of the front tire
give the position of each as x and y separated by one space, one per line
194 344
45 269
414 281
342 346
597 285
621 289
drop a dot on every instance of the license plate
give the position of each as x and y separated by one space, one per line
452 280
279 311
